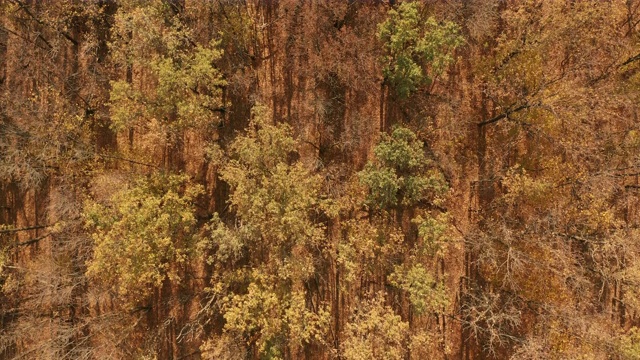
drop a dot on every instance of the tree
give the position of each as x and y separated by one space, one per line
417 51
375 332
187 89
402 184
142 234
269 252
441 179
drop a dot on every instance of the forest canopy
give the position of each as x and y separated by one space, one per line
225 179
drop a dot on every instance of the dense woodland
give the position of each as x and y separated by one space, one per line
257 179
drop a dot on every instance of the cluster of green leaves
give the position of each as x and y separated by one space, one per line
400 173
629 344
369 249
416 50
276 199
142 234
271 320
150 39
434 231
425 294
276 202
399 178
522 188
375 332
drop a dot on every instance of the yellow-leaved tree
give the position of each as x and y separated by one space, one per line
266 253
143 234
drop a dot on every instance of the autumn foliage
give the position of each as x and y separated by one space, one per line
350 180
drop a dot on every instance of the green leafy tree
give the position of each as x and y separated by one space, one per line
142 234
424 292
153 44
406 234
277 233
375 332
417 50
401 175
629 344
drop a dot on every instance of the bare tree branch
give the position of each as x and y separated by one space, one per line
36 227
506 114
31 241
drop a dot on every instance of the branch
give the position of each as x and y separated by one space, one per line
220 109
9 31
506 114
631 59
24 7
31 241
7 231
